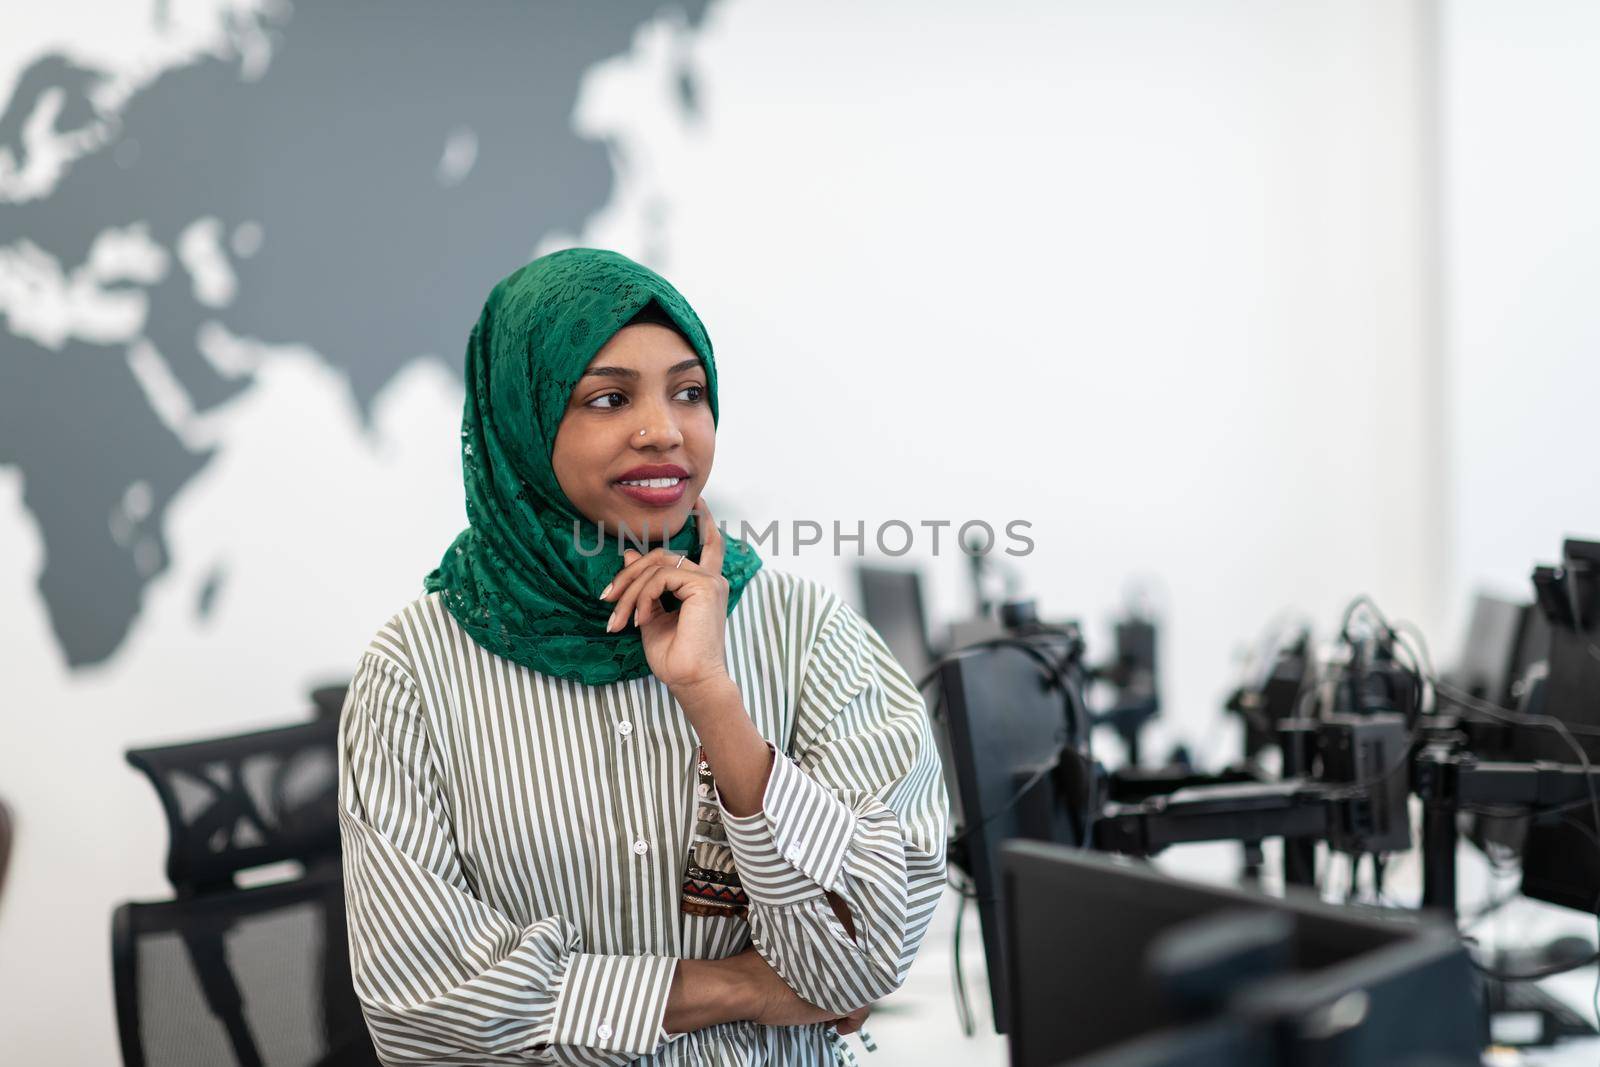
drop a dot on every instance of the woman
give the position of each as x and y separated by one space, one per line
667 805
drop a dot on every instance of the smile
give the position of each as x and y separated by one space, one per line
664 492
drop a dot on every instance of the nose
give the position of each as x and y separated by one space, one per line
656 428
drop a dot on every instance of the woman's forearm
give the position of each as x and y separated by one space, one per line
704 993
742 987
739 756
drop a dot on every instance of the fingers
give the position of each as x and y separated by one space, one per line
642 594
622 587
648 604
634 565
634 601
849 1024
639 601
628 600
711 540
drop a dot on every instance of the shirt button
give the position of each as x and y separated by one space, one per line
640 847
793 855
602 1031
624 727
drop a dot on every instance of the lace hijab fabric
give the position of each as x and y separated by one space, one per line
515 578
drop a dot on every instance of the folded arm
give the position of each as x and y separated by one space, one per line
841 849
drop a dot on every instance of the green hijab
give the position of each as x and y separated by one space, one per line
515 579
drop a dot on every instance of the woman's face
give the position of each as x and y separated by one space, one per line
639 414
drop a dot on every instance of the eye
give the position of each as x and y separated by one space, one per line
699 392
602 402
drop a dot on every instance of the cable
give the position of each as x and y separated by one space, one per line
1016 798
1494 812
1413 630
958 973
1514 718
1392 635
1410 638
1520 718
1057 672
1402 760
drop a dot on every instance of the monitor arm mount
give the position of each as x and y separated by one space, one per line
1346 784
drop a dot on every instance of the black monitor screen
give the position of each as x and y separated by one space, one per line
1488 654
1533 647
1002 726
891 600
1561 859
1080 928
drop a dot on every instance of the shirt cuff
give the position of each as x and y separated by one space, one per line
613 1003
795 843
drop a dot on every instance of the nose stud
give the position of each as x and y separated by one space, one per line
641 433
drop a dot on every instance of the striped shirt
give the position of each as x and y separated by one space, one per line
515 845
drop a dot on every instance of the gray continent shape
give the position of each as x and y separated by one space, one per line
366 257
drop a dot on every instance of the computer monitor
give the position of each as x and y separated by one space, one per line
1489 652
891 600
1005 735
1111 962
1504 640
1560 860
1533 649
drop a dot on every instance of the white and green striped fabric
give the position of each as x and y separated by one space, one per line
515 844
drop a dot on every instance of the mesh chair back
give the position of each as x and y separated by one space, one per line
244 801
328 700
254 977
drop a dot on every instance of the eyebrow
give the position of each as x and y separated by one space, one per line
633 375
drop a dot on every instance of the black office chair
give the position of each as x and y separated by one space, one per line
328 700
223 975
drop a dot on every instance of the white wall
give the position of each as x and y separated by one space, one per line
1149 275
1521 96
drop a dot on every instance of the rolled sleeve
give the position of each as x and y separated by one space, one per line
854 822
613 1003
796 844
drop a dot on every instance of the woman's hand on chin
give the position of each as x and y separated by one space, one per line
685 648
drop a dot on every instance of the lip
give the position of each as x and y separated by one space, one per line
654 498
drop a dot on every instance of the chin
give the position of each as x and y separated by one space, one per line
661 524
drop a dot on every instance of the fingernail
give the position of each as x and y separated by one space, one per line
611 622
606 590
